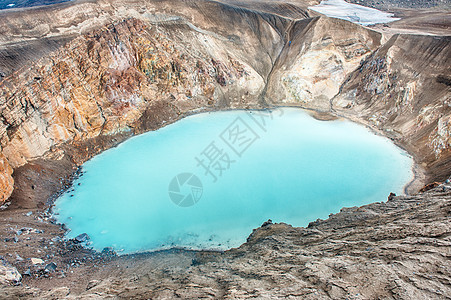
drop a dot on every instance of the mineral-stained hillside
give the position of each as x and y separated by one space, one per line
102 82
404 88
69 77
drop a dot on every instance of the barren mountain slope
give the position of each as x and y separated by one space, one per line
404 89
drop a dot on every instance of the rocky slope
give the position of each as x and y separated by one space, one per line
6 180
318 55
404 88
399 249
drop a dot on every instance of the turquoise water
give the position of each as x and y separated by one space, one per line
238 169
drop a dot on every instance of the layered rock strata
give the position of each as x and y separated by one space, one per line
110 70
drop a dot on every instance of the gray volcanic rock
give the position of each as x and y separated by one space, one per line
399 249
389 4
81 238
403 89
8 274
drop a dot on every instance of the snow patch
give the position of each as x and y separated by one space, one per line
353 12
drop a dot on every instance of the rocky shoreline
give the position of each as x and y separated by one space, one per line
394 249
45 238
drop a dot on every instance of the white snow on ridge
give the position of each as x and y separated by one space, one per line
353 12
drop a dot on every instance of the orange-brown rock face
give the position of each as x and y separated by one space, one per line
6 181
403 88
101 83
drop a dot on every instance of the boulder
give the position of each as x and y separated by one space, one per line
51 267
36 261
9 274
81 238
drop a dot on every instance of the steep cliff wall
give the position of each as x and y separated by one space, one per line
102 82
79 71
318 54
109 81
27 35
404 89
